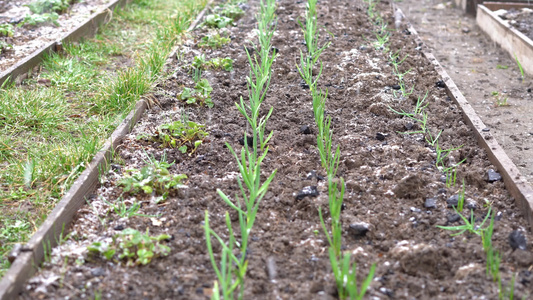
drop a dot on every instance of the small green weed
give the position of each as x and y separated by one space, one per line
42 19
4 46
47 6
213 41
154 177
133 247
502 67
201 63
501 100
222 63
201 94
6 30
232 11
122 210
217 21
185 135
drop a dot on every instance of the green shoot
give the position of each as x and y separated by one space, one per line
468 226
461 199
520 68
345 276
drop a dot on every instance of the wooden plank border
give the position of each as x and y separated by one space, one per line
86 29
515 183
508 37
48 234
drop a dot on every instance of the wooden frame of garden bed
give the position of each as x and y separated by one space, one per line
515 183
505 35
87 29
49 233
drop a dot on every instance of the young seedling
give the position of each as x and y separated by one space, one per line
252 190
43 19
501 100
185 135
6 30
461 199
48 6
346 277
123 211
133 247
468 226
217 21
213 41
152 178
520 68
232 11
201 94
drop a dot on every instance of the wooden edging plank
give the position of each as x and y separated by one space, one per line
513 180
508 37
48 234
86 29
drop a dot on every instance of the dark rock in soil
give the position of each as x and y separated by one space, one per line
249 139
452 218
440 84
359 229
453 201
380 136
305 129
396 87
493 176
310 191
498 216
517 240
119 227
431 203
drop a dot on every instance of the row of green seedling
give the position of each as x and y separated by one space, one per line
231 268
343 269
420 117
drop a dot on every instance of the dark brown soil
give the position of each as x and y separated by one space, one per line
388 177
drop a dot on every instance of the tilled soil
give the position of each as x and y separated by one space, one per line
484 72
28 39
389 177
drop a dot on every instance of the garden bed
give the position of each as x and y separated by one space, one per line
395 194
27 39
496 19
